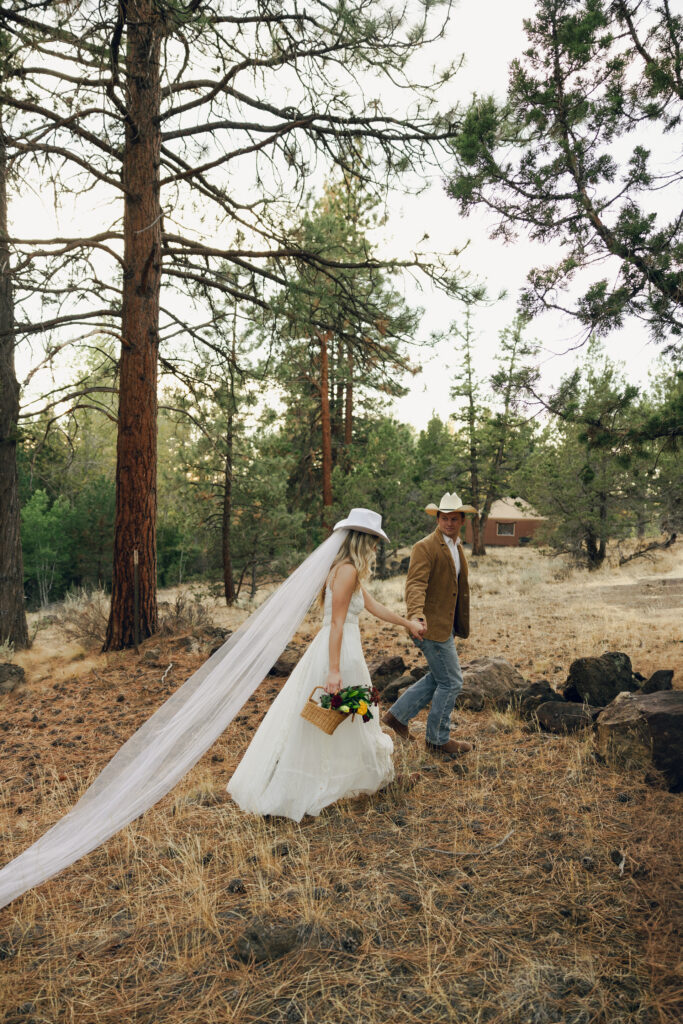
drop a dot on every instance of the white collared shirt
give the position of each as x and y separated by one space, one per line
453 546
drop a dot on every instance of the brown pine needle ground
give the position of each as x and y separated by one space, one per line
527 882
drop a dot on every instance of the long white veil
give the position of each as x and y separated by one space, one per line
169 743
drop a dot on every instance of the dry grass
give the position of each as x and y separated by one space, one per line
488 890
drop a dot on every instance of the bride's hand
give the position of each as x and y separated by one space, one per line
333 683
416 628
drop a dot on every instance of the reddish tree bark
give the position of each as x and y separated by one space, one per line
348 410
136 453
13 625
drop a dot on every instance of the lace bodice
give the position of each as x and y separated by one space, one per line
356 605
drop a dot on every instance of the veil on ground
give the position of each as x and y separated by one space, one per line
169 743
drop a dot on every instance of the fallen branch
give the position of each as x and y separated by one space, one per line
656 546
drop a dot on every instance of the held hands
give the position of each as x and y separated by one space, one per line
417 628
333 684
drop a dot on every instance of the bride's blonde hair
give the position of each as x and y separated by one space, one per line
359 549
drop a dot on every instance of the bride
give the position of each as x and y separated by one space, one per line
291 767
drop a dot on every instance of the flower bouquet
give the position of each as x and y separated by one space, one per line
335 708
352 700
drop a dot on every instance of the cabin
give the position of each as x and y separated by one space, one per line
511 522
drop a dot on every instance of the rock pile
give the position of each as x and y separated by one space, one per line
636 720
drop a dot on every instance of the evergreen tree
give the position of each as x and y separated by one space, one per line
563 159
497 431
337 341
588 477
197 107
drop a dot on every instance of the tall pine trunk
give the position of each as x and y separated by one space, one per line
226 533
324 339
478 547
478 520
136 450
226 525
13 625
348 412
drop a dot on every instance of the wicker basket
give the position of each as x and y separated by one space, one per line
327 719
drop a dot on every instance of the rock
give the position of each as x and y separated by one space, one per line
217 632
597 681
646 729
191 644
152 656
217 637
660 680
490 682
287 662
561 716
11 676
391 691
419 670
392 667
533 696
284 666
471 698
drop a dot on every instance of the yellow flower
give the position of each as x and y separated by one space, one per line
362 707
345 709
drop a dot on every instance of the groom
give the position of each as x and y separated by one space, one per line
438 594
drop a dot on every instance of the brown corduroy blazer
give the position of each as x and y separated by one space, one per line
434 591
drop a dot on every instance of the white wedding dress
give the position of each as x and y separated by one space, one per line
291 767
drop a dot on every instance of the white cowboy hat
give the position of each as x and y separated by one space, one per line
449 503
364 520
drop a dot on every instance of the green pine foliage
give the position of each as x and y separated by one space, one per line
571 158
593 474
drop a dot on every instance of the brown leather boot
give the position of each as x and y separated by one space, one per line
401 730
450 747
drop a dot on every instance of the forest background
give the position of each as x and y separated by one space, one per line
282 350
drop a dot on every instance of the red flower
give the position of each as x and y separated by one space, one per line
336 700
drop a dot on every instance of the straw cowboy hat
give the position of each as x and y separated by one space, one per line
364 520
449 503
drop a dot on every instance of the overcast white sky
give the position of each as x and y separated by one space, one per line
490 34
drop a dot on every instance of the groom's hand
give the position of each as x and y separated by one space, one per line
421 619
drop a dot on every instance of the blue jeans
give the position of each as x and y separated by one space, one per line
441 686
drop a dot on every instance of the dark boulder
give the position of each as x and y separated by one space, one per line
660 680
386 668
391 691
490 682
561 716
286 663
597 681
645 729
531 698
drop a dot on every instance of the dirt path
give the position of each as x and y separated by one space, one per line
649 592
